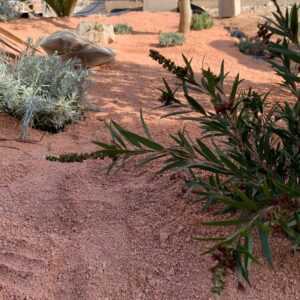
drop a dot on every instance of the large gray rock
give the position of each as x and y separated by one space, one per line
97 33
68 44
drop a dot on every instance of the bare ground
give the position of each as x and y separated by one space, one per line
69 231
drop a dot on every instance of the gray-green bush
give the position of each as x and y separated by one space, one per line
253 47
42 91
169 39
8 11
123 29
201 21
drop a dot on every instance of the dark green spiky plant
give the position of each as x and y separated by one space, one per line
246 158
62 8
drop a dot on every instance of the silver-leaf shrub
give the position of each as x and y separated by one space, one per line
42 91
8 10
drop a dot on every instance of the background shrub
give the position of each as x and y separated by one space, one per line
8 11
169 39
123 29
201 21
42 91
257 45
253 47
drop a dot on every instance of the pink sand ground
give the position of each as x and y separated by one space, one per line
71 232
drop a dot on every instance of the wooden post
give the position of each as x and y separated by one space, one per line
185 16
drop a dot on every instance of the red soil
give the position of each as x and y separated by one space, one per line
69 231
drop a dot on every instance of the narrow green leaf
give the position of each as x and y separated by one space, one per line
224 223
146 129
206 152
117 139
294 24
249 247
104 146
192 102
137 140
173 166
235 86
210 168
263 231
249 203
152 157
293 55
236 204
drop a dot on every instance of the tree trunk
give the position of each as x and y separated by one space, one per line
185 15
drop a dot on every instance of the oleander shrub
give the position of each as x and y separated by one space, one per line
244 161
170 39
123 29
8 10
201 21
42 91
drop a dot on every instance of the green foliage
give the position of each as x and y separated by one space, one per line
42 91
168 64
266 35
62 8
123 29
201 21
8 11
169 39
253 47
245 161
286 49
249 150
258 45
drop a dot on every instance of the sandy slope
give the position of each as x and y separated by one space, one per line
72 232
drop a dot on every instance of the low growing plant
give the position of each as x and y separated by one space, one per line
201 21
123 29
42 91
8 11
169 39
254 47
266 36
258 45
245 161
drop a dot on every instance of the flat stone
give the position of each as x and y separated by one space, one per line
69 44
